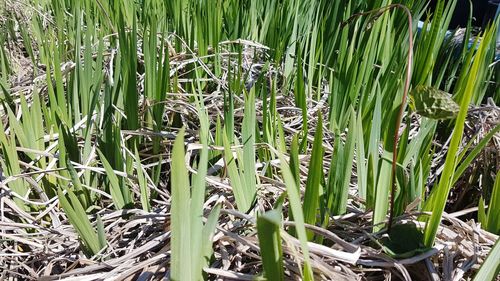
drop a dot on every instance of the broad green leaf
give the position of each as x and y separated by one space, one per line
268 230
180 219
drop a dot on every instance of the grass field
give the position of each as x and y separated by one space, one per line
248 140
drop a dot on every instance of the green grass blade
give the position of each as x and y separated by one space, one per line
345 177
296 206
143 186
315 173
248 135
208 234
493 217
78 218
198 196
114 184
465 163
101 234
268 230
491 267
237 183
446 180
360 159
180 225
81 193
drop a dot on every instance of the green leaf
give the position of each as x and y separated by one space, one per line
101 234
296 206
180 225
115 188
81 192
79 220
438 201
143 186
268 230
493 217
344 177
198 238
481 213
208 234
315 173
491 267
248 140
465 163
235 175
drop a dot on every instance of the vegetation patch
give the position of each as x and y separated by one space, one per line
247 140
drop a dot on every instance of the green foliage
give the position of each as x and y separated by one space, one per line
437 200
91 241
190 238
491 267
298 214
491 220
268 227
111 78
118 190
241 169
340 169
314 176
